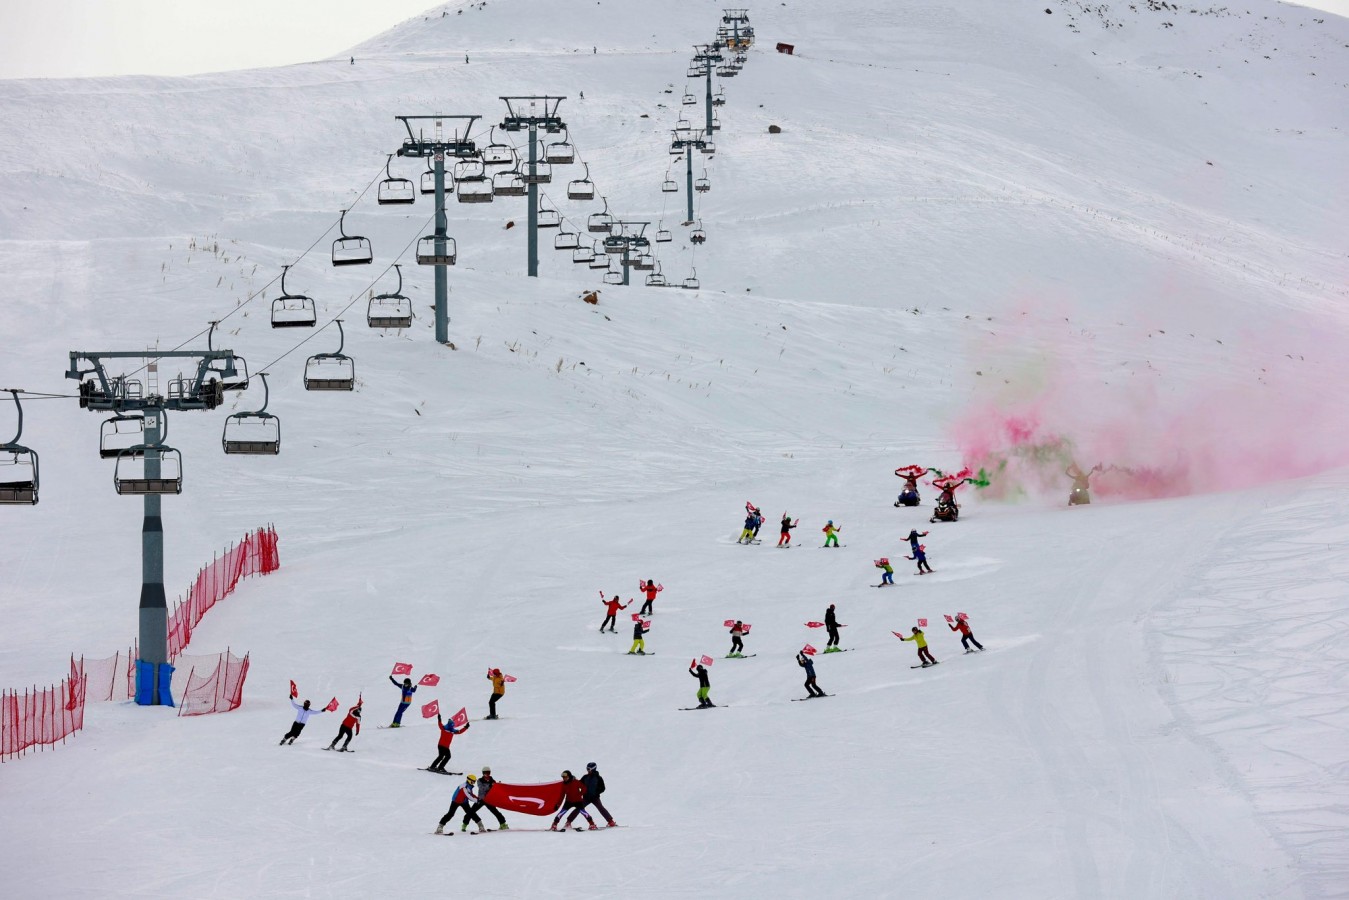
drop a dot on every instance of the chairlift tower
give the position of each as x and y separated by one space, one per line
629 236
704 56
687 142
436 147
738 19
530 114
118 394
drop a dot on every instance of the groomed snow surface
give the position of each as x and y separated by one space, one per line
1120 224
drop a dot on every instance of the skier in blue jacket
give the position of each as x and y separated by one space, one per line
408 689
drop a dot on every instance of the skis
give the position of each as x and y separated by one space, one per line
815 697
884 584
747 543
634 653
709 706
739 655
438 772
848 650
340 749
827 546
925 666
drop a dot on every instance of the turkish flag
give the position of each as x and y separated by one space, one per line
814 624
922 623
460 718
808 650
745 626
429 680
510 679
332 705
898 635
636 616
947 618
728 623
706 660
294 691
530 799
430 709
961 615
402 668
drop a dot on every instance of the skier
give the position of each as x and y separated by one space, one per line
352 721
737 645
830 534
831 624
887 571
785 538
408 689
747 535
302 716
805 662
353 60
485 782
611 618
924 654
914 535
639 630
498 691
919 554
463 797
704 685
465 59
962 625
1081 492
447 733
651 589
593 782
573 797
758 521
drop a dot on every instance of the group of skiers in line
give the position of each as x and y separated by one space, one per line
754 520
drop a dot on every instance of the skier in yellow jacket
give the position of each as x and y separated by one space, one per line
924 654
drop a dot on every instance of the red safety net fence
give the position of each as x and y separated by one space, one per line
40 718
214 688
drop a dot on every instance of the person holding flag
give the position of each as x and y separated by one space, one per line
447 733
485 782
924 654
302 716
573 798
785 538
831 623
697 670
639 630
611 617
464 796
408 689
352 721
962 624
737 644
498 691
807 663
830 534
651 589
887 571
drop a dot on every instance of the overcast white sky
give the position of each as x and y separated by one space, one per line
64 38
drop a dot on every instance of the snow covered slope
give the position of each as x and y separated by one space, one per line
1125 224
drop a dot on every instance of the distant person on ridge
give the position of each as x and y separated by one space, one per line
611 617
408 689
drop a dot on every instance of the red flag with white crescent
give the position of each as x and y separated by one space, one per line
530 799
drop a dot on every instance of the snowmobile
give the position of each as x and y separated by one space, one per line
908 498
1079 496
945 511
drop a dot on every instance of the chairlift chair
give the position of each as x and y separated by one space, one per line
560 152
428 254
601 222
656 279
702 185
676 148
583 255
233 372
683 124
121 432
256 433
498 154
18 467
615 244
689 99
351 249
331 371
548 217
566 240
613 276
581 188
694 71
708 148
389 310
292 310
691 283
542 174
697 235
668 186
470 169
716 123
428 180
475 191
719 98
599 260
132 474
663 235
508 184
645 263
394 191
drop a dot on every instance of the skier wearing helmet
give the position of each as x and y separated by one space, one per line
593 782
498 691
464 797
573 797
830 534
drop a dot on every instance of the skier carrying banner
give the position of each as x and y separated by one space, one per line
447 733
805 662
611 617
485 782
651 589
352 721
463 797
737 645
704 684
302 716
408 689
593 782
573 798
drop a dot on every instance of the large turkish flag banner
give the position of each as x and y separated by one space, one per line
531 799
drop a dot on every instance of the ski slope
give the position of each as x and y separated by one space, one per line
1123 223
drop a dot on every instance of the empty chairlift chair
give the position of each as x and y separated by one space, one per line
149 468
669 185
663 235
560 152
428 181
292 310
645 263
582 255
18 468
689 99
396 191
390 310
566 240
691 283
435 250
581 188
498 154
600 222
509 184
351 249
683 124
598 259
331 371
549 217
613 276
121 432
656 279
255 433
472 185
231 372
537 173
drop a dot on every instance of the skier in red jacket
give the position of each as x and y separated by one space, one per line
962 625
651 589
352 721
573 797
613 606
447 733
